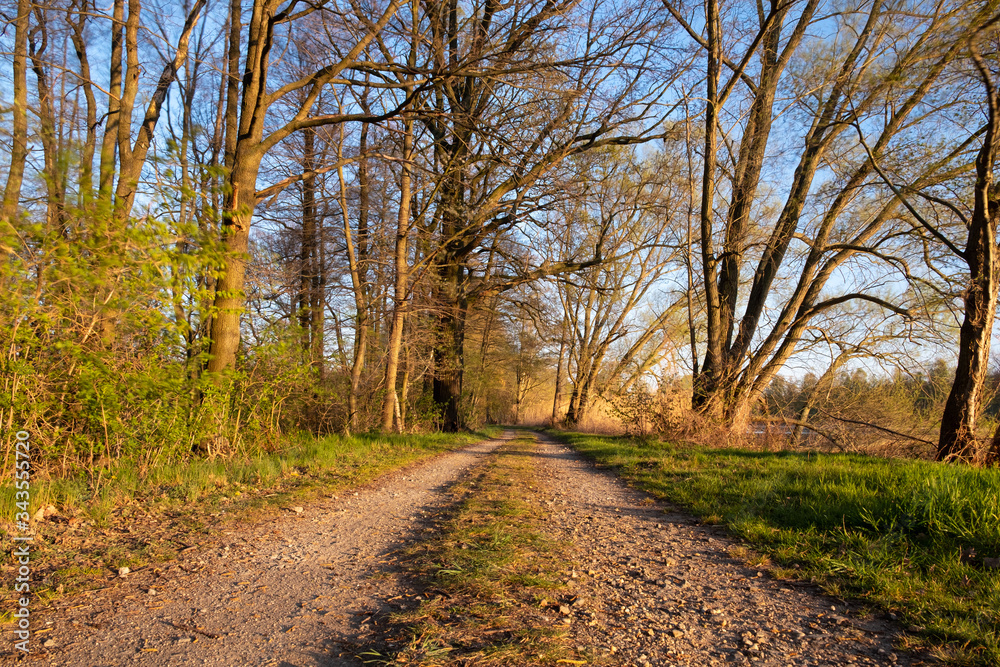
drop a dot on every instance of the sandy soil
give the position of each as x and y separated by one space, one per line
653 587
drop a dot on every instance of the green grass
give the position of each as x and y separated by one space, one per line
889 532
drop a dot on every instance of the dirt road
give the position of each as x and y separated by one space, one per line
653 588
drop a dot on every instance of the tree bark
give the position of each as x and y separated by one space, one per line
77 36
957 440
449 347
307 243
390 406
559 371
361 318
19 128
706 382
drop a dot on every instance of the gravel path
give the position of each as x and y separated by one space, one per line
656 588
294 592
652 587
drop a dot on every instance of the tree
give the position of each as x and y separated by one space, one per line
978 224
626 209
509 103
248 138
834 205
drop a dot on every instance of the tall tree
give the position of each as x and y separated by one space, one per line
248 138
977 223
509 104
863 77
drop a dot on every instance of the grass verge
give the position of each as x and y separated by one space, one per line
917 539
125 516
493 578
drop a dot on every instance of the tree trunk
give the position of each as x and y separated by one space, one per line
19 128
559 371
703 396
957 439
55 195
317 303
307 245
961 411
390 406
77 36
237 212
449 347
404 389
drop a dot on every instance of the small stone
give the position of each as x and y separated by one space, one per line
564 610
677 633
49 643
298 510
152 591
184 640
122 571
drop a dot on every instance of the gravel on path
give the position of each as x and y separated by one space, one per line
651 586
296 591
656 588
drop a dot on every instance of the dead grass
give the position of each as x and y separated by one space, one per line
495 578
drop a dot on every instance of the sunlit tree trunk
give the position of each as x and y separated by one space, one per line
957 439
19 128
390 406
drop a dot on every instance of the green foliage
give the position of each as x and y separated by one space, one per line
914 537
102 346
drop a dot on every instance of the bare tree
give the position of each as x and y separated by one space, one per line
248 139
936 216
868 75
